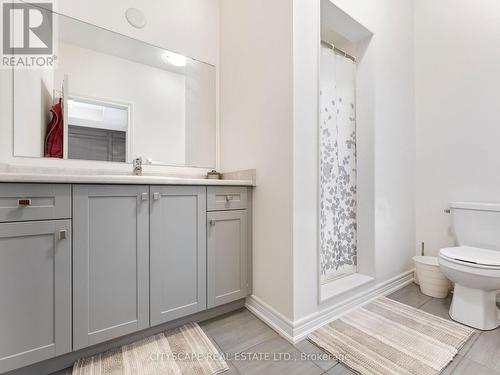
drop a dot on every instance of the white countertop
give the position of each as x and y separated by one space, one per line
116 179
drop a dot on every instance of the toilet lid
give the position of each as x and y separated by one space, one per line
473 255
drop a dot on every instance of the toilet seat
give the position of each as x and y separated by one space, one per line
472 257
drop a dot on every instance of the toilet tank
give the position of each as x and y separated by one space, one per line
476 224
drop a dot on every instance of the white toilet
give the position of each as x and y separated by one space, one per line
474 266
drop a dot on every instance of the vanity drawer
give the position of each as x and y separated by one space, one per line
221 198
25 202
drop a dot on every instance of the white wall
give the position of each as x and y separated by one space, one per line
457 89
36 88
257 131
189 27
269 60
201 115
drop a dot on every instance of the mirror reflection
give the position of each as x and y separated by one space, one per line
114 98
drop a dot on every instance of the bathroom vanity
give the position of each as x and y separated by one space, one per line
82 264
92 256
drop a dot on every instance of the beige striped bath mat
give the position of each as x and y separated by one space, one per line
386 337
185 350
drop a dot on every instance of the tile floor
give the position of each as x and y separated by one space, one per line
255 348
241 332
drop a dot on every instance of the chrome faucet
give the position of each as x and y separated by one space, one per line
137 166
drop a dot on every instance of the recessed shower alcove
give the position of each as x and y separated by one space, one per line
346 118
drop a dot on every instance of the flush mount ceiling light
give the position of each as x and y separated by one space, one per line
175 59
135 18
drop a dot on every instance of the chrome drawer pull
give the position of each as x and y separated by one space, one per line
229 198
212 222
144 196
24 202
156 196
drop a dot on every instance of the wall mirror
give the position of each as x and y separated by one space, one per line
120 99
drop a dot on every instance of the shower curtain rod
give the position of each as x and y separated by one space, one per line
338 50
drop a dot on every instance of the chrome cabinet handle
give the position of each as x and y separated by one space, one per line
24 202
229 198
63 234
212 222
156 196
144 196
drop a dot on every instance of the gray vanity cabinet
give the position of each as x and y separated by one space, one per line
227 253
178 252
110 262
84 264
35 292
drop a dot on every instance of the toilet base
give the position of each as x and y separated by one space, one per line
475 308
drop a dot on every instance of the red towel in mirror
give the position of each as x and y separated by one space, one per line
54 139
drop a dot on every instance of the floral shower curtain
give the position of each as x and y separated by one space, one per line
338 187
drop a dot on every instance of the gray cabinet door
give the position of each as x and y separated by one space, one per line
227 256
178 252
35 292
110 262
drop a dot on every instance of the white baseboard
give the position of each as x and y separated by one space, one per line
295 331
271 317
